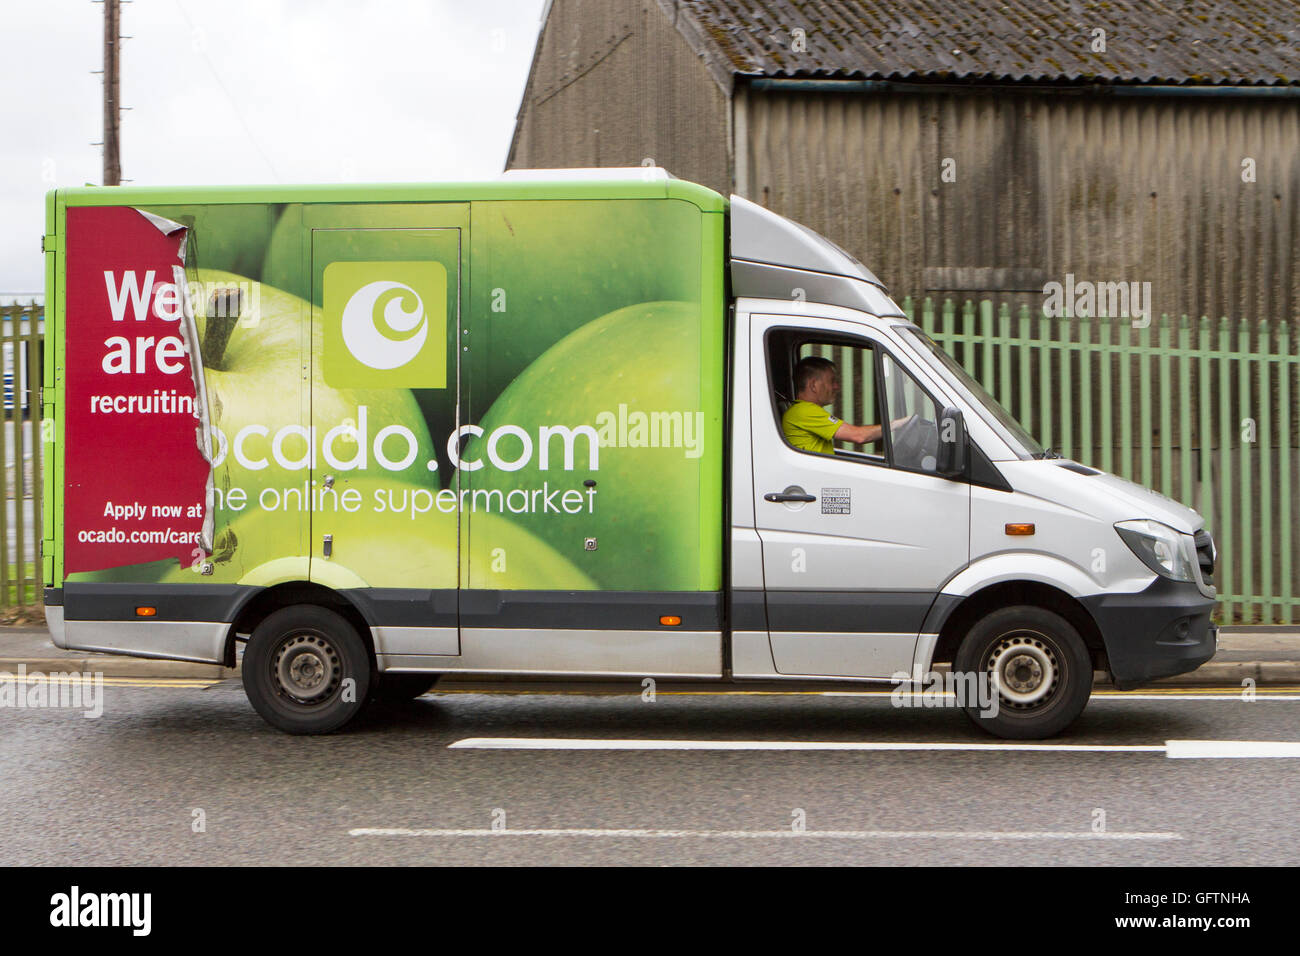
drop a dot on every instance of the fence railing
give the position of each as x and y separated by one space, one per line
1202 412
21 450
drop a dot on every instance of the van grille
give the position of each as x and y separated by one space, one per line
1205 554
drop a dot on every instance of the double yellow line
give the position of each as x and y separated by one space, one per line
79 677
201 683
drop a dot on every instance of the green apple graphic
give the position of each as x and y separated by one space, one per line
377 545
421 550
231 237
562 264
376 233
646 518
253 372
541 270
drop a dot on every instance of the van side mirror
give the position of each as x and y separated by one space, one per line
951 462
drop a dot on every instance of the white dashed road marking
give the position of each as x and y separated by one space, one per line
1170 748
1183 749
1086 836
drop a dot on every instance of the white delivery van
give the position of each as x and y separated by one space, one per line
564 424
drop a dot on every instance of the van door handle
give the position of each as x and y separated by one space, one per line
788 496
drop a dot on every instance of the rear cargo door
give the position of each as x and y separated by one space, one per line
384 370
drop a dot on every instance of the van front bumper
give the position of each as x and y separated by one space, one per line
1157 632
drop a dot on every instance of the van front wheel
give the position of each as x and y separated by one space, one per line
1033 673
306 670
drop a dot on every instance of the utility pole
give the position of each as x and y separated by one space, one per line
112 158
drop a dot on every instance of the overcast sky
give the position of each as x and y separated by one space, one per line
254 91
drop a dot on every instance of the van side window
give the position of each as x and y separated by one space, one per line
856 401
912 417
892 419
845 392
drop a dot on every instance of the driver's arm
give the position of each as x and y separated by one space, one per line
858 434
865 434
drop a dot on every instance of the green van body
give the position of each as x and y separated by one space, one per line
560 429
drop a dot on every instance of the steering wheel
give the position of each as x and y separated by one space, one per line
915 441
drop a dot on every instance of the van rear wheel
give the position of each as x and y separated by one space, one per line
1036 667
306 670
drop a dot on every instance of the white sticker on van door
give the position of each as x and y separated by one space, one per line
836 501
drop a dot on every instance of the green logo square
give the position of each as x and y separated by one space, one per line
385 325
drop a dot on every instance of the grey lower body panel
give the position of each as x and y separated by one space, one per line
564 633
831 635
659 653
621 637
199 641
191 622
536 632
751 659
878 655
751 655
404 641
923 658
54 621
569 652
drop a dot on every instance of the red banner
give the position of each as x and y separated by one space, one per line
135 479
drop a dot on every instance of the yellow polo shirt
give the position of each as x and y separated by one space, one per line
810 427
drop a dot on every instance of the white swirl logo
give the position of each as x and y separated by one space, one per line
378 331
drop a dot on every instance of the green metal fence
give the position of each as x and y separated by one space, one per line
1202 412
21 345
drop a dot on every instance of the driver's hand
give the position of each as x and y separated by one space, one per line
900 422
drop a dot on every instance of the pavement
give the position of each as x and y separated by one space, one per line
1268 655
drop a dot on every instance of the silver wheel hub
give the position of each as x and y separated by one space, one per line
1024 669
307 667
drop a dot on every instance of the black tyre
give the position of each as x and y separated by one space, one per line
397 688
306 670
1037 665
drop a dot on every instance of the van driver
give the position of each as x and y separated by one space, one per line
807 425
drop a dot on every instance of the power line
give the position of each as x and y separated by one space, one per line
234 105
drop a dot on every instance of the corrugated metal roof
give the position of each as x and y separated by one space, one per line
1239 42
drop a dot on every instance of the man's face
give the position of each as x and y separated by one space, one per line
824 387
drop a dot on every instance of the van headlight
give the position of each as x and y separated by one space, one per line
1162 549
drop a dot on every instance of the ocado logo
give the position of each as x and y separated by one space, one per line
379 331
384 324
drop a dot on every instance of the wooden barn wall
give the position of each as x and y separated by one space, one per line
1108 189
616 85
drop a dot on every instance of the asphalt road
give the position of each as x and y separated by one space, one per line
125 788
